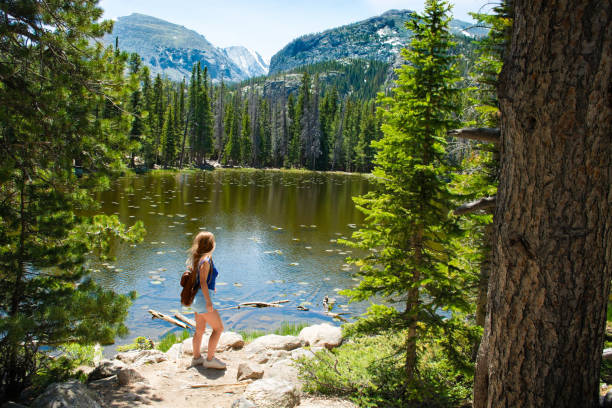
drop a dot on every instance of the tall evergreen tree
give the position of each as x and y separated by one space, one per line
407 217
169 138
54 81
246 145
293 156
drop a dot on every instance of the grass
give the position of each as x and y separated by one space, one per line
285 329
171 339
369 370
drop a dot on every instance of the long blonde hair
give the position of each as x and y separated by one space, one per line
203 243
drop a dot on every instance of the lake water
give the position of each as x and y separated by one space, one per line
276 238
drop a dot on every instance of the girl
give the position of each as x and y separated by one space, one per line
203 282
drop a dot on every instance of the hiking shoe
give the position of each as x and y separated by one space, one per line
197 361
214 363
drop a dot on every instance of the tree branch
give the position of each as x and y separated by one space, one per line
486 204
488 135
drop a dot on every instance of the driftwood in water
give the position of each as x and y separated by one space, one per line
337 316
185 319
167 318
276 303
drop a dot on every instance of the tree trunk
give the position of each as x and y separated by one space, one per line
552 246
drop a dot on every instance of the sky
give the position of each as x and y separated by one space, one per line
266 26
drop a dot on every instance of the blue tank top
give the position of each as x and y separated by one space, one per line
211 278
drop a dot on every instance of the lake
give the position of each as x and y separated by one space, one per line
276 235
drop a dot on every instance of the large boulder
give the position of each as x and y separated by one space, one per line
322 335
106 368
228 341
249 371
273 342
284 370
243 403
272 393
175 352
128 376
71 394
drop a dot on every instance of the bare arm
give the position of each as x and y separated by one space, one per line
204 271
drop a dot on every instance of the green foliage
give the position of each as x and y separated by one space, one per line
408 224
60 109
171 339
139 343
368 370
65 365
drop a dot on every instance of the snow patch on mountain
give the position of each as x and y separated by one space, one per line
247 59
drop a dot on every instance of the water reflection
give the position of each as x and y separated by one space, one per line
275 233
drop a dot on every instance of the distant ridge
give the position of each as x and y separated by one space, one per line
170 49
377 38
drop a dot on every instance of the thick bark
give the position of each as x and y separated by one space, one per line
552 246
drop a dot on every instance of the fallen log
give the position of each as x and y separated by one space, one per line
167 318
336 316
257 304
185 319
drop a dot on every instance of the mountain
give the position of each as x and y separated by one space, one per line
248 60
170 49
378 38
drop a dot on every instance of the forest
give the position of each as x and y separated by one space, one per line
487 239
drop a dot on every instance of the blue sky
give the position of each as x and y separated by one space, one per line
267 25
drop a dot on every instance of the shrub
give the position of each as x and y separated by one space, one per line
369 371
139 343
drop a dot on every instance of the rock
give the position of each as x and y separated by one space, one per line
249 371
71 394
272 393
106 368
321 402
175 352
141 357
322 335
284 370
127 357
260 357
243 403
228 341
128 376
273 342
302 352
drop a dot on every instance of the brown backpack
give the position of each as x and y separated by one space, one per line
188 294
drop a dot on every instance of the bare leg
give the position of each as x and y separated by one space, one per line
200 319
214 320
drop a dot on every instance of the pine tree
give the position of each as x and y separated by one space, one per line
53 85
157 117
293 156
246 145
407 217
169 138
232 147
